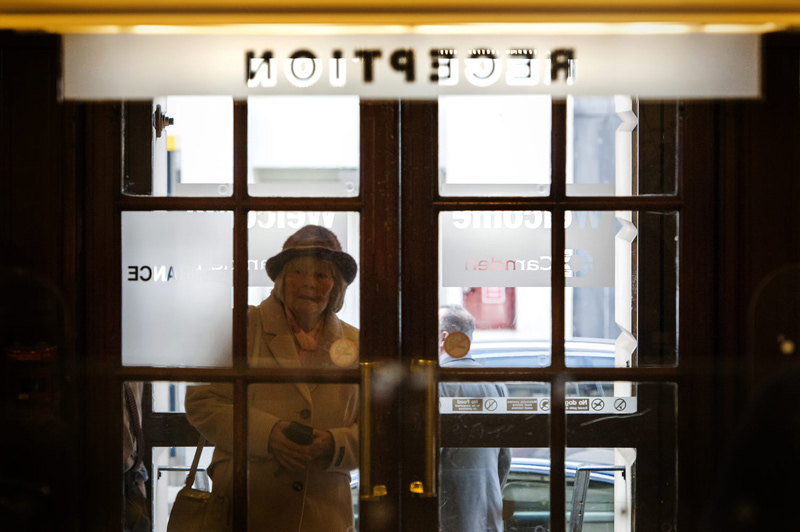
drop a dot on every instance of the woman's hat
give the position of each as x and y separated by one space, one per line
315 241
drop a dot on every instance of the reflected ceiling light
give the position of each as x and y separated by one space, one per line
742 28
623 28
271 29
427 29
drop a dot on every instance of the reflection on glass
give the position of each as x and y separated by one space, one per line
303 146
494 145
497 265
621 288
643 464
176 288
619 146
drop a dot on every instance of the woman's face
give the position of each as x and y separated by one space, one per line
307 285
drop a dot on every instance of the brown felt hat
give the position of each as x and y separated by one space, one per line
314 241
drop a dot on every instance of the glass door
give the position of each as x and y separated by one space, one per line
558 411
557 407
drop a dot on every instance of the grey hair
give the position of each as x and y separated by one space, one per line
336 300
455 318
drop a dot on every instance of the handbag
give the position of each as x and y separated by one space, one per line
197 510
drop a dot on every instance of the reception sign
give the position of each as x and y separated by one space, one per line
411 65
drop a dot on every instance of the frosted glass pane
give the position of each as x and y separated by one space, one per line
176 288
494 145
303 146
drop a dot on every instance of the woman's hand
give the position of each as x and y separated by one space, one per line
290 455
323 445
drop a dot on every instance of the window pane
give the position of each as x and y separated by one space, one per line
321 494
269 230
191 155
642 448
497 265
619 146
303 146
494 145
169 444
487 479
176 288
621 293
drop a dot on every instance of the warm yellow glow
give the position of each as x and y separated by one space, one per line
271 29
741 28
439 29
555 29
330 17
591 28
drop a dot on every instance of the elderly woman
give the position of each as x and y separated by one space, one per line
293 486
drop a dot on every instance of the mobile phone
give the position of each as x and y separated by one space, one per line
299 433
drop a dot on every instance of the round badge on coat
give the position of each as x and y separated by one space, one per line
344 352
456 344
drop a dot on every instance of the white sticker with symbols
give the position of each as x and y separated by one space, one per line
536 405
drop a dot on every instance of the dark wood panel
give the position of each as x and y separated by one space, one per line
419 322
39 285
102 498
379 284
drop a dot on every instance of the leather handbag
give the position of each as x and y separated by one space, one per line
197 510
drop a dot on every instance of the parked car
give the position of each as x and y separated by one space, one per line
583 353
526 495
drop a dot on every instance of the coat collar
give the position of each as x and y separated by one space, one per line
282 345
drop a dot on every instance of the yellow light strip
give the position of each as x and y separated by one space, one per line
400 23
449 29
272 29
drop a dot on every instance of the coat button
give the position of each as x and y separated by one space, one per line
297 486
305 413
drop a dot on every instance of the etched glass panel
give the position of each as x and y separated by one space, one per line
177 288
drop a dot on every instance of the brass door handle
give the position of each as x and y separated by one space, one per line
366 490
425 370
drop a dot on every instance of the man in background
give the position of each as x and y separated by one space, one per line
471 479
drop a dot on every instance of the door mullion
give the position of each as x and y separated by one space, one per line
239 348
419 323
558 421
380 309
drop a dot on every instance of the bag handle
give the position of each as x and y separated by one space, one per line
195 462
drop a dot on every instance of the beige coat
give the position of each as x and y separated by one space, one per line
318 498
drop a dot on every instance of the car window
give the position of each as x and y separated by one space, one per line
526 503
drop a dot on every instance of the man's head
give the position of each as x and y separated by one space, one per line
454 318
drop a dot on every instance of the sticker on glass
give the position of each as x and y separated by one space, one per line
456 344
344 352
